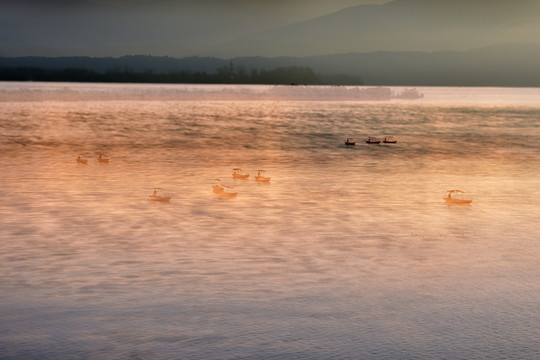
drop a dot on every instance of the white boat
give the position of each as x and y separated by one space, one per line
452 200
238 174
260 176
156 197
219 190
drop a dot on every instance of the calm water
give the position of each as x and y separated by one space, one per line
348 253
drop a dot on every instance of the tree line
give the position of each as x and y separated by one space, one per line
227 74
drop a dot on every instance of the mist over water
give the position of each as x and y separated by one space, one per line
348 252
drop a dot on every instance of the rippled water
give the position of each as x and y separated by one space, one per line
348 252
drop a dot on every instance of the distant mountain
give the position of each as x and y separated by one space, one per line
259 28
158 27
501 65
400 25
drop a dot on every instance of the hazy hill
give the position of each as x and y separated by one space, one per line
234 28
502 65
158 27
400 25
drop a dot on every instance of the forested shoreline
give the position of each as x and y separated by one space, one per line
226 74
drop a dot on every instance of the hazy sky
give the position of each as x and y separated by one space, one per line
157 27
229 28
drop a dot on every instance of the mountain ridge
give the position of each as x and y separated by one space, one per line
399 25
500 65
231 29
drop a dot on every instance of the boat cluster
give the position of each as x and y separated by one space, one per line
372 140
100 159
220 188
239 174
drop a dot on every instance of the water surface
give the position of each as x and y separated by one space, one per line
348 252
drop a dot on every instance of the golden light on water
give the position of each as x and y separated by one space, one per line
348 245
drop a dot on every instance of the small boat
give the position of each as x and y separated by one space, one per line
219 190
102 159
349 142
81 160
156 197
389 140
260 176
373 140
238 174
450 200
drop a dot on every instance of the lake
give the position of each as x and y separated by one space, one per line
348 252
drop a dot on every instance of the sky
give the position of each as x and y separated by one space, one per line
229 28
154 27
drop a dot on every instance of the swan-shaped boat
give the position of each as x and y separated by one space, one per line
102 159
80 160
